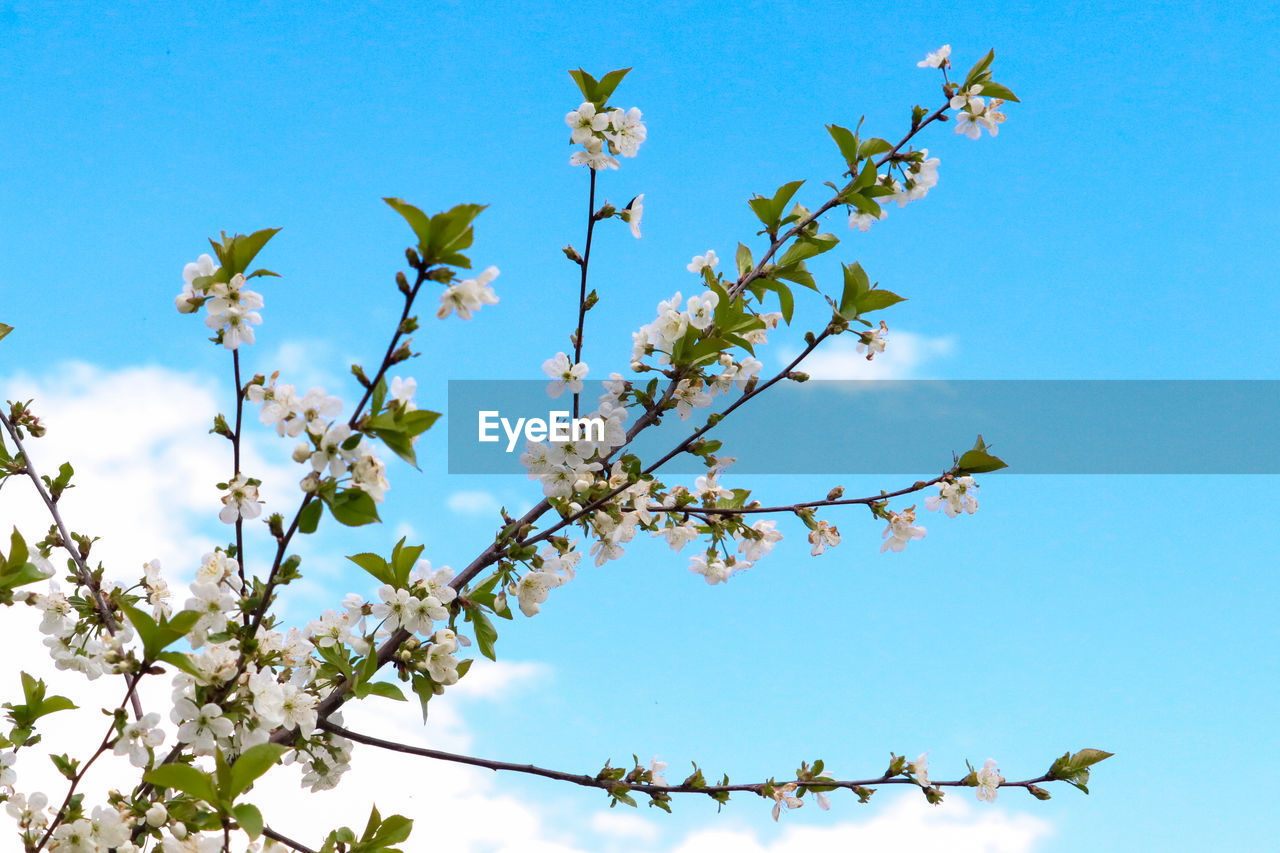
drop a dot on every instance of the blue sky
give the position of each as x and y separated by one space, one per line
1121 226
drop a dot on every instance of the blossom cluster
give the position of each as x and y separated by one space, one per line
917 175
329 445
603 133
232 308
673 322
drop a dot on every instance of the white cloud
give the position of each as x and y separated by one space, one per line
624 825
303 364
903 357
474 502
146 465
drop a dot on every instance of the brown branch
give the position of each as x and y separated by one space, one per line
286 840
587 781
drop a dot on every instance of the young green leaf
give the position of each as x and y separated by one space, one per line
250 766
847 142
185 778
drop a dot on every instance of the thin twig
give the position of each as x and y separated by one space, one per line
608 784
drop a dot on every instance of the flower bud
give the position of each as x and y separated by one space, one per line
402 283
1037 792
411 256
301 453
572 254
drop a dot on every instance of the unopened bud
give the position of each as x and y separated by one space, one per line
836 493
590 301
606 211
934 796
302 453
402 282
358 372
572 254
798 376
1038 792
402 353
411 255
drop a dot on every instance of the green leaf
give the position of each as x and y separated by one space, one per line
419 421
586 84
743 260
856 283
5 329
157 636
249 818
245 248
876 300
252 764
185 778
37 704
798 273
18 552
309 517
847 142
867 177
871 147
353 507
451 231
976 71
376 566
398 443
379 395
181 661
486 634
807 247
393 830
418 221
864 204
788 302
386 690
609 82
995 90
1074 769
978 461
422 686
403 559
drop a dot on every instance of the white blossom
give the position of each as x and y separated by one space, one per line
469 295
954 497
900 530
937 59
873 342
823 535
566 375
989 780
703 262
240 501
634 213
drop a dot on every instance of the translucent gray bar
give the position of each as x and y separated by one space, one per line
913 427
